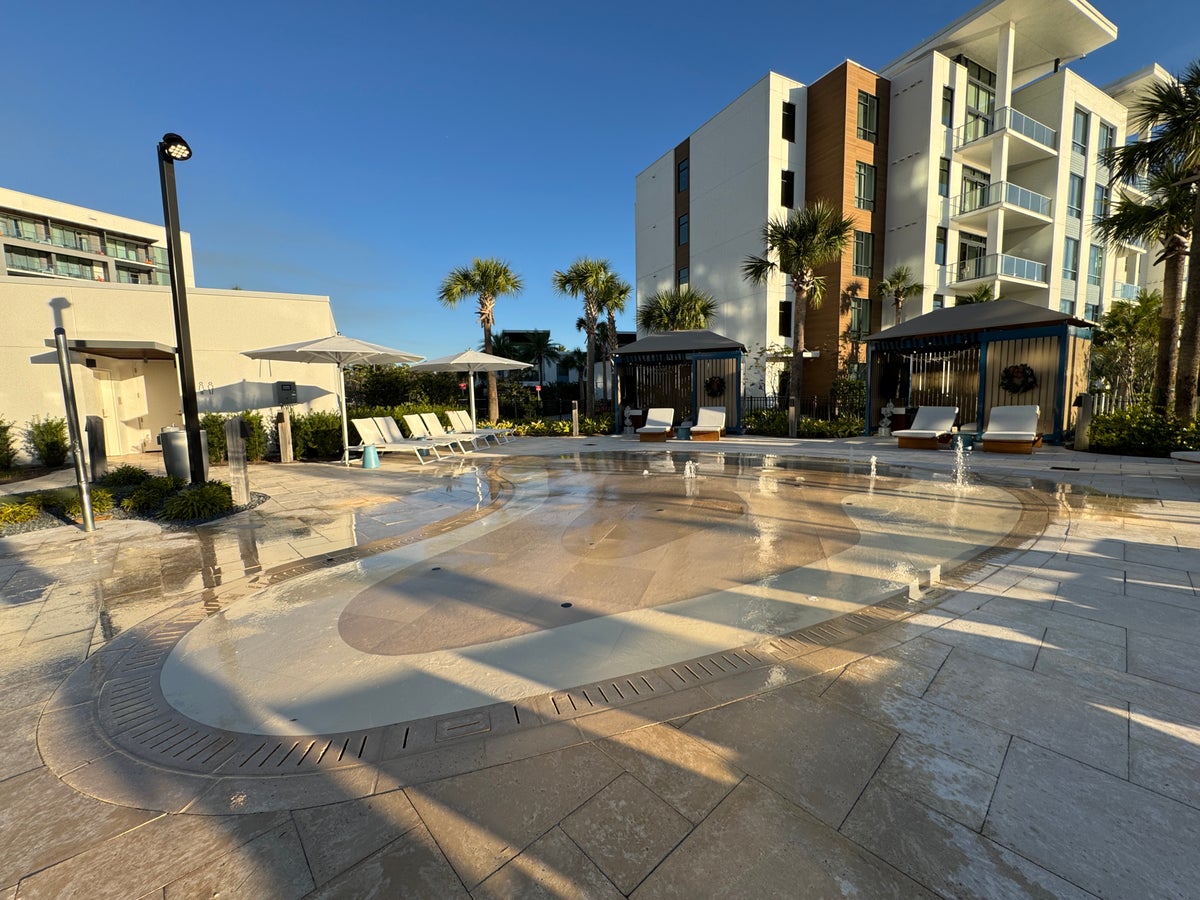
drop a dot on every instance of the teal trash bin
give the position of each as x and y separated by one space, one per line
370 457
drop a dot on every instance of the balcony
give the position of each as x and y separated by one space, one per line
1123 291
1030 140
997 266
1024 207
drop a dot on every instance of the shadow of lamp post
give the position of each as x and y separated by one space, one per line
174 149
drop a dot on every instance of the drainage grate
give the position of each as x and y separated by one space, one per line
708 668
609 693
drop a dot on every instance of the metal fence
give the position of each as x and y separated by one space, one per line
825 407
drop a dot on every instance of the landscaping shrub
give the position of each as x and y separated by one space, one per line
46 439
8 453
317 435
773 423
151 493
256 435
16 512
202 501
102 502
213 424
1141 431
125 476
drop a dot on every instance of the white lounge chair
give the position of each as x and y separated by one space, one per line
461 420
928 425
371 434
1012 429
421 432
710 423
659 425
438 431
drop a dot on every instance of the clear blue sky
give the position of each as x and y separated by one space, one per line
363 149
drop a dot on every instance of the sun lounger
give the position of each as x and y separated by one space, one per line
437 430
929 424
710 423
659 425
461 421
419 431
371 433
1012 429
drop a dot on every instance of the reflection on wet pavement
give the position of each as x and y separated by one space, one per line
595 568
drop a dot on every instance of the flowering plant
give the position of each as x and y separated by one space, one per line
1018 379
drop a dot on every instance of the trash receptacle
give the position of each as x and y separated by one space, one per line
175 452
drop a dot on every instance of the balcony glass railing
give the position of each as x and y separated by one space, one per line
1123 291
1001 192
1009 118
999 264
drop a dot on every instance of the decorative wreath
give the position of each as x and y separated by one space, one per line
715 386
1018 379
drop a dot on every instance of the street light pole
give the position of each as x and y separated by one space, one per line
172 148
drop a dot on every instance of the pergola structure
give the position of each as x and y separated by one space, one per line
959 356
681 370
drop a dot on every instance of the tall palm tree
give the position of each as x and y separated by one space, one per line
1124 346
1170 115
487 279
613 297
677 309
576 361
601 341
541 350
898 287
1165 220
797 246
503 345
586 279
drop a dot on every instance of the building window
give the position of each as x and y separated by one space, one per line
681 176
939 247
787 189
789 121
1100 201
981 101
128 276
864 186
1107 138
683 229
975 183
1096 265
1071 259
1079 133
944 177
1091 312
785 318
868 117
682 277
948 107
860 318
864 253
1075 197
1066 307
939 301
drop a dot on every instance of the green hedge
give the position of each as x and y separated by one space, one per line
256 435
1140 431
46 440
774 423
8 453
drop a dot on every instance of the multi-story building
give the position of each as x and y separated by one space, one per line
104 280
974 159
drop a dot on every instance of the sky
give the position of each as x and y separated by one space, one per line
364 149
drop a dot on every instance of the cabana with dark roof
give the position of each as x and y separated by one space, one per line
683 370
981 355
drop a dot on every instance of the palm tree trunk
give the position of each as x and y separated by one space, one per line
799 319
493 394
589 403
1166 361
1189 338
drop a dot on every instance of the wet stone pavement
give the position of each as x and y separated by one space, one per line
1028 727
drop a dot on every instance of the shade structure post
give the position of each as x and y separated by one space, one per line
471 398
342 407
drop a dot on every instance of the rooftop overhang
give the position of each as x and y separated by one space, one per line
1129 89
143 350
1046 30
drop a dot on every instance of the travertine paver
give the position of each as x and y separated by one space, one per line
1037 734
1112 844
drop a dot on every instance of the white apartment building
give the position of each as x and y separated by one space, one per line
974 159
104 279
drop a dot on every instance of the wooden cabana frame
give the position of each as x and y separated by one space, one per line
672 369
956 357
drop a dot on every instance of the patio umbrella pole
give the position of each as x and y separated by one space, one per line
345 427
471 396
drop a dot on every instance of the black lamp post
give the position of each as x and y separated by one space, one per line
173 148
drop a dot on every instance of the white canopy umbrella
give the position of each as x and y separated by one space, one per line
342 351
470 361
